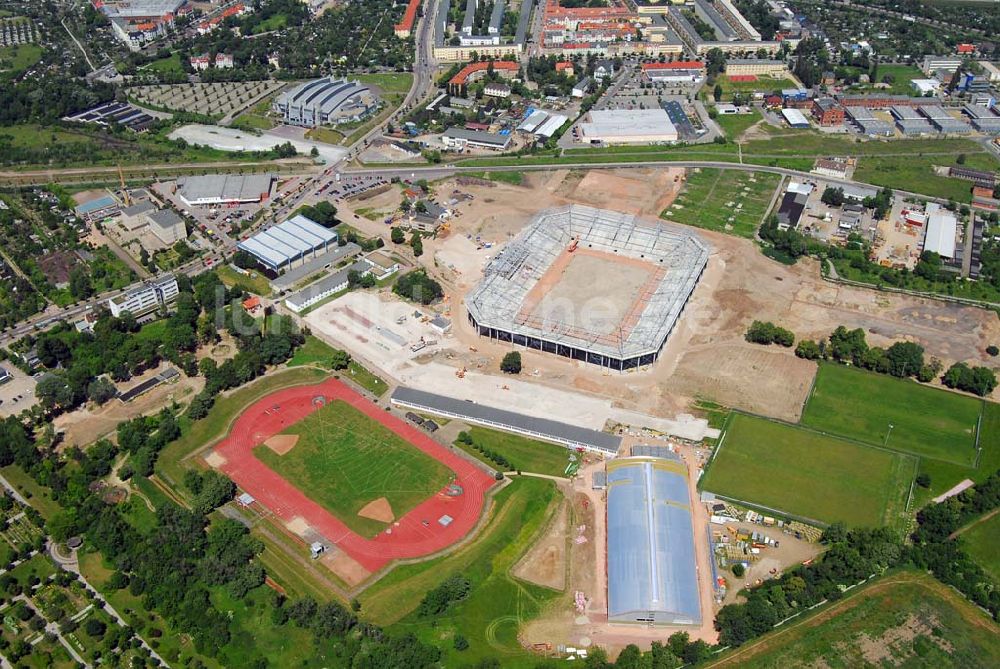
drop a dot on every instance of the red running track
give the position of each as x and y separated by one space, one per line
409 537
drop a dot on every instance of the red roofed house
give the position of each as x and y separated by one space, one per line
252 305
224 61
200 62
966 48
457 85
565 67
676 71
404 28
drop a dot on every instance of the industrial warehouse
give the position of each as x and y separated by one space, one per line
589 284
640 126
296 240
652 577
326 101
225 189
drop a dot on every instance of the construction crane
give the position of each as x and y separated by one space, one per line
125 195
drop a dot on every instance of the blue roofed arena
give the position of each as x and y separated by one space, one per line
652 574
289 243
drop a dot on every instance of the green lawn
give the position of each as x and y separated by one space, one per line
735 125
40 498
343 460
763 84
317 352
902 76
498 603
715 199
389 82
512 177
255 282
806 474
527 455
861 405
16 59
170 465
169 65
904 619
982 542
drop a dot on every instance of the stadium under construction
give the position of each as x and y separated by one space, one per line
589 284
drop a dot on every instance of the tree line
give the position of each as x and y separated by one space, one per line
902 359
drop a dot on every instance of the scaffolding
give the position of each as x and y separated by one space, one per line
502 306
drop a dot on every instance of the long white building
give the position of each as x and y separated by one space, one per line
145 299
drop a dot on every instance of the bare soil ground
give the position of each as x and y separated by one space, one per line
282 443
545 563
344 566
378 509
92 422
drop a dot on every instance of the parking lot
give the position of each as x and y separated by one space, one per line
17 394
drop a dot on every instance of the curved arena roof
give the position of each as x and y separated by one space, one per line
652 575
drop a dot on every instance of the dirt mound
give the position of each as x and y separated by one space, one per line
378 509
282 443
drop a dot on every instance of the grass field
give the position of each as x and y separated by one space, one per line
37 496
497 604
765 84
170 65
343 460
256 284
861 405
317 352
170 466
715 199
905 619
902 76
527 455
735 124
512 177
807 474
982 542
16 59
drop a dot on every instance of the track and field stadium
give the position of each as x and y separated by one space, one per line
444 517
589 284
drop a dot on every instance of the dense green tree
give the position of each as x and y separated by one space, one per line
511 363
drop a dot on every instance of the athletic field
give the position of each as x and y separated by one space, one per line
807 474
343 460
925 421
981 542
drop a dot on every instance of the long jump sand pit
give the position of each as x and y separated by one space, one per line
214 460
282 443
378 509
344 566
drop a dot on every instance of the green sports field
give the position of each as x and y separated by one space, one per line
982 542
733 202
926 421
807 474
343 460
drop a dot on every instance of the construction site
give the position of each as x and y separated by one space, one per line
589 284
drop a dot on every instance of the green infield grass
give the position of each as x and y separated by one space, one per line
904 619
982 542
195 435
715 199
343 460
809 475
527 455
498 604
925 421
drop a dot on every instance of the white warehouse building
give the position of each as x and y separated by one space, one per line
293 241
